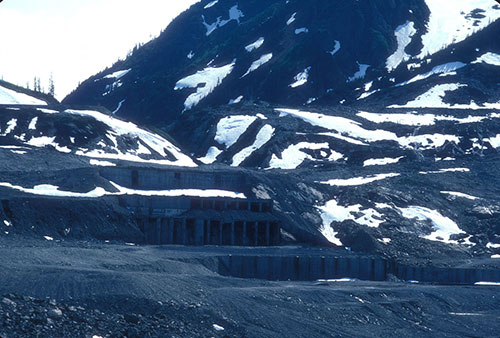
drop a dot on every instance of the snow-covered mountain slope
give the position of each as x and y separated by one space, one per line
11 94
299 53
88 133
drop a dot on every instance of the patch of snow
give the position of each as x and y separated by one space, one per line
336 48
292 19
19 152
433 98
301 78
153 141
443 70
11 125
102 163
415 119
385 240
495 256
487 283
311 100
218 328
338 280
211 77
261 116
255 45
493 246
236 100
381 161
459 194
448 170
118 74
443 226
293 156
32 125
41 141
360 74
404 34
211 4
301 30
489 58
453 22
358 180
229 129
190 55
9 96
118 107
234 15
51 190
211 156
48 238
47 111
263 136
256 64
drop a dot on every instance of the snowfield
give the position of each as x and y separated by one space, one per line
9 96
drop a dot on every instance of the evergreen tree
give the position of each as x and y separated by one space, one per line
51 85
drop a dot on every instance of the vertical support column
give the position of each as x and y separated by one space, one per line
221 230
256 234
184 231
245 241
233 234
158 231
199 232
268 233
209 232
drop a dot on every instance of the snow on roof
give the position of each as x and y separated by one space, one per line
256 45
9 96
210 76
230 128
263 136
453 21
256 64
403 34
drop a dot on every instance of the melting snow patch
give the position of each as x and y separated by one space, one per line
443 70
332 212
381 161
459 194
211 156
292 19
9 96
11 125
229 129
118 75
495 256
256 64
360 74
301 30
263 136
118 107
453 21
218 327
385 240
211 4
234 14
443 226
336 48
48 238
432 98
236 100
403 34
32 125
493 246
190 55
301 78
448 170
210 76
415 119
293 156
358 180
51 190
489 58
256 45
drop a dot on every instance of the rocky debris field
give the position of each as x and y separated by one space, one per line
22 316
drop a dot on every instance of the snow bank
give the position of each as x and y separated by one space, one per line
293 156
9 96
256 64
404 34
489 58
255 45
